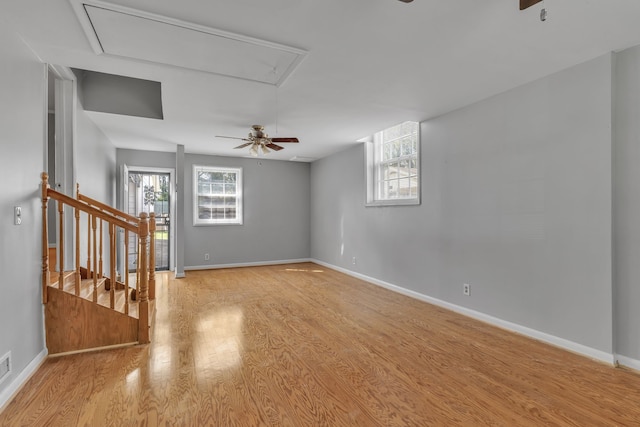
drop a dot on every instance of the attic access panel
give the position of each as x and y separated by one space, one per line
130 33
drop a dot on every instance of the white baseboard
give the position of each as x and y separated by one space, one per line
510 326
628 362
246 264
8 393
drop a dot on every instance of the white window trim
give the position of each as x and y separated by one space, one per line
371 199
198 222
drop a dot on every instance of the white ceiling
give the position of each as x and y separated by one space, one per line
369 63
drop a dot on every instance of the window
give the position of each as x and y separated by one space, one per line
393 166
217 195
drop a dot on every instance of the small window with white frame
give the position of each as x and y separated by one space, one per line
393 166
217 195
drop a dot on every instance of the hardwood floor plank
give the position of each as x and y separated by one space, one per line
303 345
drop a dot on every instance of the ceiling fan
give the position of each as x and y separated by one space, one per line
258 139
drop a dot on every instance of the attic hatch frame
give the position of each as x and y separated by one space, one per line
80 8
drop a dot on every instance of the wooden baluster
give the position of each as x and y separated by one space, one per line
77 274
112 264
138 268
93 273
152 256
46 277
126 271
100 271
143 304
89 276
60 246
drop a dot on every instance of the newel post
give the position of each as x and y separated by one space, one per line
143 304
45 237
152 256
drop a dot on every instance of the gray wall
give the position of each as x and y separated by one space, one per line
151 159
276 214
22 140
276 210
95 160
626 206
110 93
22 120
516 201
95 165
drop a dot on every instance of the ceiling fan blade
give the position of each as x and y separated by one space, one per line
528 3
274 147
232 137
284 140
244 145
406 1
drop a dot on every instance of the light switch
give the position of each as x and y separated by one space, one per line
17 215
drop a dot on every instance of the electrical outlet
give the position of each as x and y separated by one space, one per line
5 366
466 289
353 261
206 257
17 215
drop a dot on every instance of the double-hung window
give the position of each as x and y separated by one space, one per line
393 166
217 195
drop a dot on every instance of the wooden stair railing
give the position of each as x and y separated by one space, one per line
134 220
97 214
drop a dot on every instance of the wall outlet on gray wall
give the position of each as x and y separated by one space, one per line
5 366
353 261
466 289
17 215
206 257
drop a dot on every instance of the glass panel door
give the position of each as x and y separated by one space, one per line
149 192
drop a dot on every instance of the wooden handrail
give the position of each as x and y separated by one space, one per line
92 210
106 208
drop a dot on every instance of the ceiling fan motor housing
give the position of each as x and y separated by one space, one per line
258 132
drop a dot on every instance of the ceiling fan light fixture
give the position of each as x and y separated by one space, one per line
265 150
254 150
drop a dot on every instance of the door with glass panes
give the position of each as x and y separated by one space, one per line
149 192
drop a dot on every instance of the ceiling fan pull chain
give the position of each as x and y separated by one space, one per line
276 88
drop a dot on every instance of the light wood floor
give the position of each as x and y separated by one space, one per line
302 345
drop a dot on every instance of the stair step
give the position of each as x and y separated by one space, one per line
103 295
67 276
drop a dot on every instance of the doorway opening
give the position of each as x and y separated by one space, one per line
150 191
